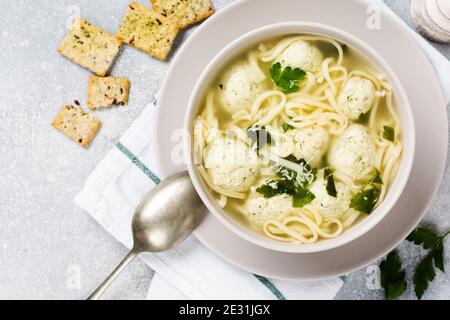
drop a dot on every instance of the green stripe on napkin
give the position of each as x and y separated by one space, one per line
271 287
138 163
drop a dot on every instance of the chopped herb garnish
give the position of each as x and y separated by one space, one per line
363 118
331 186
425 271
276 187
344 47
286 127
292 158
302 197
307 174
259 137
291 183
366 200
389 133
392 276
376 179
287 79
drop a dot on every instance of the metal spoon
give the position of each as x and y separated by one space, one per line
165 217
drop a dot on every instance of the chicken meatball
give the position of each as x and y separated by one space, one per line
357 97
231 164
301 54
261 209
310 144
240 88
328 206
354 153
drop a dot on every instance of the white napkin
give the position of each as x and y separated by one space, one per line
191 271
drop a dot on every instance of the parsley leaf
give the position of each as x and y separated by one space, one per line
366 200
363 118
389 133
288 78
376 179
425 271
268 190
331 186
439 255
276 187
423 275
392 276
290 184
308 174
424 237
286 127
259 137
302 197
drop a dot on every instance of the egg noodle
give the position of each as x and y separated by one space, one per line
315 104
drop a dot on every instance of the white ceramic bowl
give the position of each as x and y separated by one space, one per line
250 40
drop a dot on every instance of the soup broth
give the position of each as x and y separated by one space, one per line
298 138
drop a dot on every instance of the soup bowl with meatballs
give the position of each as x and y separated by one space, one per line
302 137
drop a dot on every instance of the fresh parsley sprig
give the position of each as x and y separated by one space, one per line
288 78
392 276
425 271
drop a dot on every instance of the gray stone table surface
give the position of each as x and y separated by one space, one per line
49 248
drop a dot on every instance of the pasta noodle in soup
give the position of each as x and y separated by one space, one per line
298 138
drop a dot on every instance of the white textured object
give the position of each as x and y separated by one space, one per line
354 153
357 97
301 54
240 88
329 206
231 164
310 144
432 18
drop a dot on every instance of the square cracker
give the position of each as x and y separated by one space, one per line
76 124
148 31
104 92
90 47
184 12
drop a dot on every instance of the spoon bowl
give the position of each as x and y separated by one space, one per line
167 215
164 218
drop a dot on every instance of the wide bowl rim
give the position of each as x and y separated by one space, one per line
303 27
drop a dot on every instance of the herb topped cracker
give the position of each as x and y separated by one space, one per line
107 91
76 124
184 12
148 31
90 47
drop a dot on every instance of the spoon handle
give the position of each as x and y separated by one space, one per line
105 284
